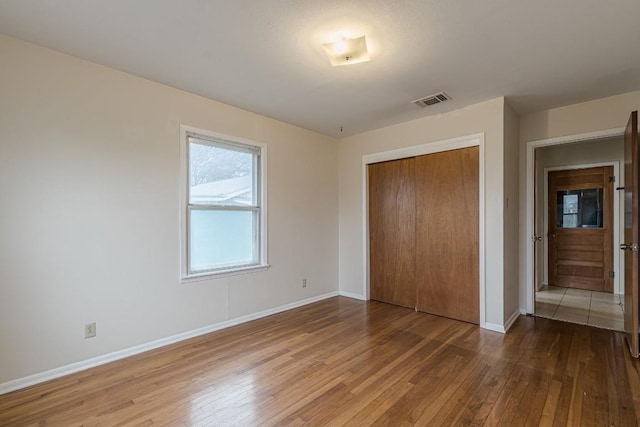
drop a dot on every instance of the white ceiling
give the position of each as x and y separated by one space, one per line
266 56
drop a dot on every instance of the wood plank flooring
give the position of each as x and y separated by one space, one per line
347 362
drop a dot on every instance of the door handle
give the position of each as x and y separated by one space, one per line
629 247
537 239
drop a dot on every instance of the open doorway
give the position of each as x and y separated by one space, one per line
577 270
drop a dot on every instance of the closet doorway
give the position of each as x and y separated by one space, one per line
424 233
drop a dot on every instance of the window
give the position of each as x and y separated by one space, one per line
580 208
222 212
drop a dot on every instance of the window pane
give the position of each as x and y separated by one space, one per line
580 208
220 176
221 238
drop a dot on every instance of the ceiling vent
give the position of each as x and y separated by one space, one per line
430 100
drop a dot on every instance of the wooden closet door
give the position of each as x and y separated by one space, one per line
392 241
447 233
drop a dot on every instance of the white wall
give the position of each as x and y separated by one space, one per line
484 118
89 161
592 116
590 152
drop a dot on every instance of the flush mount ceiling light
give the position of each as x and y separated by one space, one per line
347 51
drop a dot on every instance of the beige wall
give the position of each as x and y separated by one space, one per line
510 263
89 162
587 117
600 114
591 152
487 118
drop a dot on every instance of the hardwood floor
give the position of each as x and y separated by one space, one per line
347 362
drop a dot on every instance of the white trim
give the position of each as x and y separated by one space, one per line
529 199
365 231
509 323
482 243
494 327
131 351
512 319
224 273
419 150
582 137
616 220
352 295
184 276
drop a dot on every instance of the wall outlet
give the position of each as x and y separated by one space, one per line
90 330
304 283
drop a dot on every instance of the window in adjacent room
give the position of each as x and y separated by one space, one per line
223 208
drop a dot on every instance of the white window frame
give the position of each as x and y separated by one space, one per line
261 177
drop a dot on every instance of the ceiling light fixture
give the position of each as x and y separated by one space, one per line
347 51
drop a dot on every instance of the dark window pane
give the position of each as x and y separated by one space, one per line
580 208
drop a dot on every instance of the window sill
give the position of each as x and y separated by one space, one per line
223 273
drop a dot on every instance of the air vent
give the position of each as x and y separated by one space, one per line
430 100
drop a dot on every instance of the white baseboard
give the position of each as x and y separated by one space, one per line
512 320
541 285
352 295
121 354
493 327
502 328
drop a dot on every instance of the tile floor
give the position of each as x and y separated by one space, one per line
599 309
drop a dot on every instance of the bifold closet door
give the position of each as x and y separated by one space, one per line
392 240
447 234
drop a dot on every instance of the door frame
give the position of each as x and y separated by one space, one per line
528 231
616 220
419 150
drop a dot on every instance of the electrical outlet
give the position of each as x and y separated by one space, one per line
304 283
90 330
